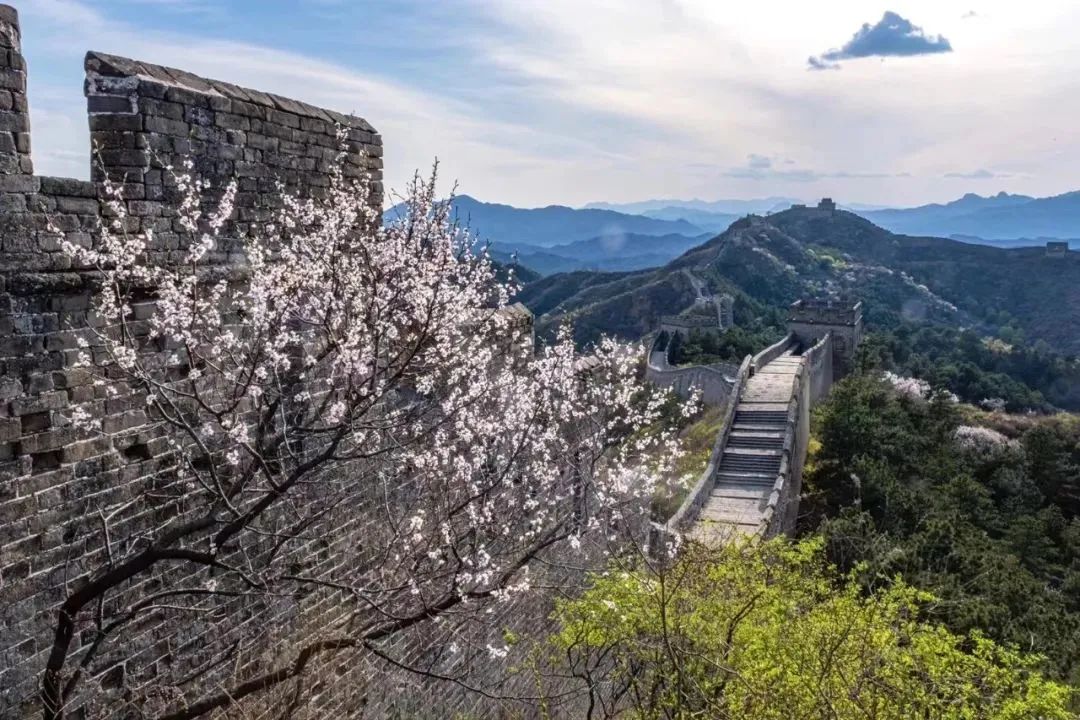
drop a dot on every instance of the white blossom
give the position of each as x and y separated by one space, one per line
389 355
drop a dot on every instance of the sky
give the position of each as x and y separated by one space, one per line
538 102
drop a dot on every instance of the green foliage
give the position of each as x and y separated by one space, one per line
731 345
760 631
975 368
993 532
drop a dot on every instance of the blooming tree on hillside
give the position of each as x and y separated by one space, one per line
359 442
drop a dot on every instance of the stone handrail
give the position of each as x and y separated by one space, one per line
687 512
714 381
768 527
772 352
819 363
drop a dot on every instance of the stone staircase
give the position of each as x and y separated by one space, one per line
750 463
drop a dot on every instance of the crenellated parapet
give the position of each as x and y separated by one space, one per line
14 110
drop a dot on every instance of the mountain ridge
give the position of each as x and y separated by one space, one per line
771 261
552 224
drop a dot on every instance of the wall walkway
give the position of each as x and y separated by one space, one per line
754 479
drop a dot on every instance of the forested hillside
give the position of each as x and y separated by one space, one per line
980 509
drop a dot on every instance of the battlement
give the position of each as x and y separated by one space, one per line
14 110
56 485
144 115
146 119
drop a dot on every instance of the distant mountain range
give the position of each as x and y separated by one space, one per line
997 217
1002 220
722 207
544 227
560 239
766 262
613 252
650 233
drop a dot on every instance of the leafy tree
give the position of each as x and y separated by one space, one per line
759 631
901 486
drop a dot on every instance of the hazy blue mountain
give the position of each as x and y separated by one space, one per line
1074 243
612 252
724 207
864 207
555 224
997 217
713 222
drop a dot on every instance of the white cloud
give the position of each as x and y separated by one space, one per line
575 100
416 127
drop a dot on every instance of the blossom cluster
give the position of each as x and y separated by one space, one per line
916 388
982 440
345 358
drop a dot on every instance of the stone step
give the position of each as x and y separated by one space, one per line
766 417
741 490
753 452
742 455
747 479
768 431
763 406
739 467
766 455
763 443
735 510
758 427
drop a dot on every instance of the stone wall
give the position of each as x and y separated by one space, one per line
713 382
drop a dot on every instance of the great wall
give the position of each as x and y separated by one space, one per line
753 478
57 486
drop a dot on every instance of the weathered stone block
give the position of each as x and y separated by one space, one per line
116 123
19 183
10 429
10 388
46 401
109 104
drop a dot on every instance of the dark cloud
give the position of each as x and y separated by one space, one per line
980 174
761 167
760 162
892 36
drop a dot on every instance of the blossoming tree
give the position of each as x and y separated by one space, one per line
360 443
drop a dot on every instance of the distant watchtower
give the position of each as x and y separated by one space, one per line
1057 248
811 320
827 204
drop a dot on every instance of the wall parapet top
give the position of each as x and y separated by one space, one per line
115 66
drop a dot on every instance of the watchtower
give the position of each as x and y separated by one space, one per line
812 319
